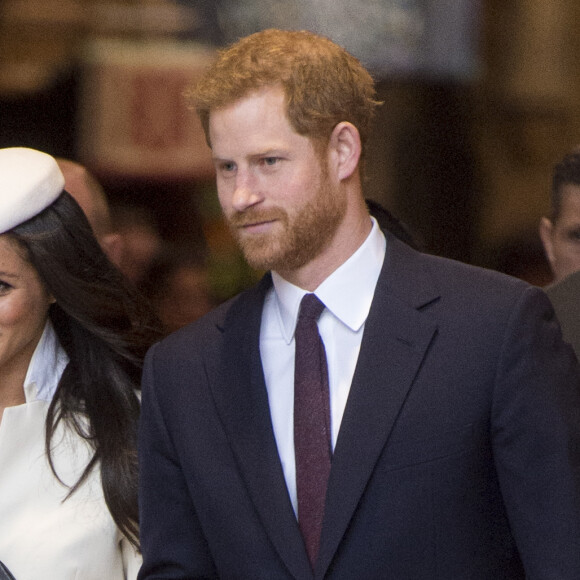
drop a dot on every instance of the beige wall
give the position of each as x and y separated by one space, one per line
526 108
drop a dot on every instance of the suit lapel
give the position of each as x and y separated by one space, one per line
242 402
395 341
396 338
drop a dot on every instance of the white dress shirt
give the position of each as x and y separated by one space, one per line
42 536
347 294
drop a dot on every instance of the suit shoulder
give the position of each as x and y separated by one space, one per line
453 272
207 332
486 293
193 335
413 271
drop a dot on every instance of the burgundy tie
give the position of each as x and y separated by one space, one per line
311 423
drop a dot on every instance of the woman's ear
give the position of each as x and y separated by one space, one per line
345 149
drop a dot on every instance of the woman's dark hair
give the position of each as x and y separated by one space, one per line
105 328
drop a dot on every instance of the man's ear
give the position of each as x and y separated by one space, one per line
114 246
345 149
545 230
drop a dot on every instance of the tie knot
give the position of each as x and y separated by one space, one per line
310 307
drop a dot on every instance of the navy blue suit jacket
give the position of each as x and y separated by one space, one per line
458 455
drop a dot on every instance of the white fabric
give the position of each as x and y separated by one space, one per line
347 294
29 182
46 367
42 537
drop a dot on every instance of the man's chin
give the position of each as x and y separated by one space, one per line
257 254
276 261
261 261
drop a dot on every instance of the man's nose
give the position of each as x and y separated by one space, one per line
246 192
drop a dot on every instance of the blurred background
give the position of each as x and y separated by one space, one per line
481 99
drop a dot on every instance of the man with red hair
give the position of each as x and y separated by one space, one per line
435 434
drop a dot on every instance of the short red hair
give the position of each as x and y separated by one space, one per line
323 84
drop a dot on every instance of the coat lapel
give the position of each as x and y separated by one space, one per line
242 403
395 341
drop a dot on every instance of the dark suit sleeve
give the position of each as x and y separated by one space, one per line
536 439
172 542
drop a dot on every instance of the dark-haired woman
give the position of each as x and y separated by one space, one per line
72 339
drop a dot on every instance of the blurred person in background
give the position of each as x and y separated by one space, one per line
90 195
178 287
140 238
72 340
173 279
560 233
561 239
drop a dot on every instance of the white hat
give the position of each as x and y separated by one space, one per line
29 182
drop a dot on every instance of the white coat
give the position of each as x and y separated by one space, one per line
41 535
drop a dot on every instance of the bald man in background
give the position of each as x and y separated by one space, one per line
89 194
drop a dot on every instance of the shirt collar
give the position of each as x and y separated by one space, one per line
347 292
46 367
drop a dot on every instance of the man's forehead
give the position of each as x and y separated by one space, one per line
271 92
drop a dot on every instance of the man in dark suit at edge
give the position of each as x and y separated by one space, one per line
560 235
454 405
